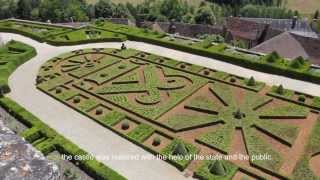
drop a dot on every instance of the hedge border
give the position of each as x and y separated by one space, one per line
94 168
15 61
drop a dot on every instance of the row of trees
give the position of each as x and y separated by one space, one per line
152 10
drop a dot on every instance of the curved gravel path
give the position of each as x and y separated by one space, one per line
96 139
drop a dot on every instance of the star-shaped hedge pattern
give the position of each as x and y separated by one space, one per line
251 114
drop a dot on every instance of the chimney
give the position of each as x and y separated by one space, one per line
294 22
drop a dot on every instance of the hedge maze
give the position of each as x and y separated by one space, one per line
179 109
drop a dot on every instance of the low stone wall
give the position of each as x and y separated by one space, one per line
184 29
19 160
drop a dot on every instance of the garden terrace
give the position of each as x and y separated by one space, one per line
179 109
106 31
35 30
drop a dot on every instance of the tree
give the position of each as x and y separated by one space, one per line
24 9
205 15
91 12
104 8
120 11
35 14
316 15
173 9
62 10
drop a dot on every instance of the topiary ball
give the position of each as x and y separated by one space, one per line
302 98
125 125
156 141
99 111
58 90
233 80
76 99
206 73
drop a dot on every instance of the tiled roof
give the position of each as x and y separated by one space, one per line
290 45
245 29
302 26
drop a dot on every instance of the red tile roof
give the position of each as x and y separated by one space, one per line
291 46
245 29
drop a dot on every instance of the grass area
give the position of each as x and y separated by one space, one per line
111 118
182 122
141 133
302 169
103 76
220 139
257 146
306 7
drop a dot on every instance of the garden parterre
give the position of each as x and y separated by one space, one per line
101 31
184 109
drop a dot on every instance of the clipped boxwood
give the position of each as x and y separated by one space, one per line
55 141
31 134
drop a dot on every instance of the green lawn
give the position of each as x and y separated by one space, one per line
306 7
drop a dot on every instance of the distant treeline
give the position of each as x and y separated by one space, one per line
208 12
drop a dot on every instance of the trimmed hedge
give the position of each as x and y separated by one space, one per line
6 26
13 61
94 168
31 134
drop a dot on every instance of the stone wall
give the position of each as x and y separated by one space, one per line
184 29
19 160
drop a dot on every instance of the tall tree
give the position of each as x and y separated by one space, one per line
24 9
205 15
104 8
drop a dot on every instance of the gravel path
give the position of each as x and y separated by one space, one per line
96 139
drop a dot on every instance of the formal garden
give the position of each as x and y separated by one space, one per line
177 109
168 107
